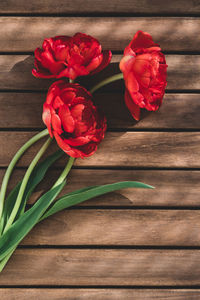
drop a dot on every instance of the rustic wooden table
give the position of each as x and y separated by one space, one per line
130 244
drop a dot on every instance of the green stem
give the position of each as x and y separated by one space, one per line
62 177
24 183
13 163
107 81
65 172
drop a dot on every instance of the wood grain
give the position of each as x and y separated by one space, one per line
118 227
102 267
87 6
25 111
25 34
172 188
127 149
98 294
183 73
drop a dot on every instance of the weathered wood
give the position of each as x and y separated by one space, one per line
172 188
152 149
113 33
118 227
127 149
183 73
87 6
102 267
98 294
24 111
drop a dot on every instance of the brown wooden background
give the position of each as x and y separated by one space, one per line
132 244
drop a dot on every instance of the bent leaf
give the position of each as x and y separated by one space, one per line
89 193
26 222
35 178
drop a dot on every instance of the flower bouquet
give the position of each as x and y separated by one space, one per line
76 124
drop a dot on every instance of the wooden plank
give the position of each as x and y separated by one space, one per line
118 227
98 294
151 149
127 149
183 73
87 6
25 111
114 32
102 267
172 188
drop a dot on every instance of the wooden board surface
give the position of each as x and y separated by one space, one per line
30 107
98 294
121 149
131 244
183 74
91 267
118 227
87 6
25 34
172 188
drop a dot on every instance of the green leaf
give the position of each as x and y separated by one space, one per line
9 204
35 178
26 222
89 193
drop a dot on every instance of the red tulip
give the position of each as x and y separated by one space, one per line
64 56
145 70
72 119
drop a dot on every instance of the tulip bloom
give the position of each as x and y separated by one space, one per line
145 70
72 119
64 56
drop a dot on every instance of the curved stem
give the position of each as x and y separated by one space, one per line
62 177
65 172
107 81
13 163
24 183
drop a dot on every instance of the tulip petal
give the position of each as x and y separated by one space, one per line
142 40
107 55
126 64
61 53
49 63
79 141
66 119
37 54
133 108
77 111
56 123
72 118
46 117
42 74
73 152
131 83
67 72
57 103
94 63
88 149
